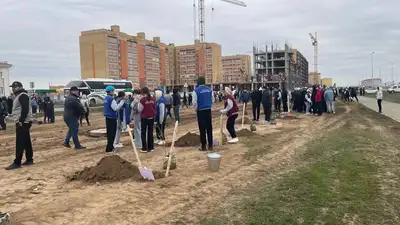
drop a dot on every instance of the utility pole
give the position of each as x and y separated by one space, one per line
392 73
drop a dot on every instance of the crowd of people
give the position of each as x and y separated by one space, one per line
147 112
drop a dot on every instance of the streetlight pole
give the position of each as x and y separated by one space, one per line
372 65
393 73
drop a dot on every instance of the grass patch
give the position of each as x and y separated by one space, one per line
339 182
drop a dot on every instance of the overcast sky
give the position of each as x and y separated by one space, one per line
41 37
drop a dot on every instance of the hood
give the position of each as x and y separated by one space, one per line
158 94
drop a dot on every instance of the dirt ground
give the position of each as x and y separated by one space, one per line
42 194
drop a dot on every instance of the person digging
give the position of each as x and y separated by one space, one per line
231 110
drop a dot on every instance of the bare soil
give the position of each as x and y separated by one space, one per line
187 140
245 133
189 192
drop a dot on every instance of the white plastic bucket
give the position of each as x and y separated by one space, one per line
214 161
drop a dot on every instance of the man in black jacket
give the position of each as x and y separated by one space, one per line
267 103
22 114
256 97
73 110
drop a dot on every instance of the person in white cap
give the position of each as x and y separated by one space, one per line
232 111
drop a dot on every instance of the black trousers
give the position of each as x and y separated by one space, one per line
23 143
230 125
160 128
3 125
168 110
204 120
147 127
86 115
111 127
380 105
285 106
256 111
277 105
318 108
267 111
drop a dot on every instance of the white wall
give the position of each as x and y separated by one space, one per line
5 82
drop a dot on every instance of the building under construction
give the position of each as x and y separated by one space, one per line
278 67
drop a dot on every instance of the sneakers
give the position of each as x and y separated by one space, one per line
80 148
13 166
66 145
233 141
161 143
120 145
143 151
27 163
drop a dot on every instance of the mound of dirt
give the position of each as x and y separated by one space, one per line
110 168
245 133
247 120
188 140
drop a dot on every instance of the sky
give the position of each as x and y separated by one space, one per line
41 37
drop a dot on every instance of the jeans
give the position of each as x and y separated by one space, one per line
147 134
86 115
168 108
73 129
230 125
111 127
23 143
330 106
308 107
137 127
204 120
176 113
160 129
3 125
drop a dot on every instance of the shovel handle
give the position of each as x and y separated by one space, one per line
221 139
134 146
171 148
244 108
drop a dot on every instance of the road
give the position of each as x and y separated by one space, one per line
389 109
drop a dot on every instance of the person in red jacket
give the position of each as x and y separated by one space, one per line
318 101
147 110
231 110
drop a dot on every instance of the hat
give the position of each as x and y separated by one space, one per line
74 88
110 88
16 84
228 90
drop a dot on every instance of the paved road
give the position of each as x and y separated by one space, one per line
389 109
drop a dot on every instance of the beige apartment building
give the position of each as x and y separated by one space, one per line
198 60
314 78
110 53
236 68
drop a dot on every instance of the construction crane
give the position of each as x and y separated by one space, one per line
202 16
314 42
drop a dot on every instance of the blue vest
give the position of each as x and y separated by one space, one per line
159 101
108 111
204 97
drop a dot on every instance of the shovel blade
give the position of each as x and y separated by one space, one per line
146 173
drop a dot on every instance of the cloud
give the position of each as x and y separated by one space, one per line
41 37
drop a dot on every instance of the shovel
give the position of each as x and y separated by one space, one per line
171 149
221 139
144 172
244 108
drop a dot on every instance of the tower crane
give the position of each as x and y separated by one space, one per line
314 42
202 28
202 16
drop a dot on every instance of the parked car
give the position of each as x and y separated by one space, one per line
371 91
394 89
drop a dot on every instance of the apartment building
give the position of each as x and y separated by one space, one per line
236 68
110 53
198 60
277 67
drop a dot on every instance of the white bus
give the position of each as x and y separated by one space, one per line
95 88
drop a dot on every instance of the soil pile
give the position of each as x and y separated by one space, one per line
187 140
246 120
110 168
245 133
